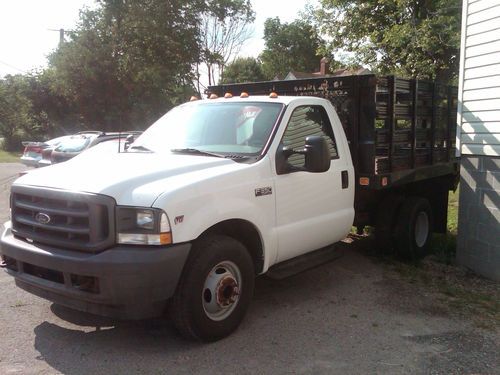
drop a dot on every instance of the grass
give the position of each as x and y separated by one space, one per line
443 246
9 157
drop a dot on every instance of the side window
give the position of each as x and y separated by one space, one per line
306 121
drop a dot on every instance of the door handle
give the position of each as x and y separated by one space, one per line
345 179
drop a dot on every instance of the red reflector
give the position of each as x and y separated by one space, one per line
384 181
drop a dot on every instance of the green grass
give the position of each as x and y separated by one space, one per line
443 246
9 157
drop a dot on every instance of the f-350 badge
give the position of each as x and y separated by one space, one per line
259 192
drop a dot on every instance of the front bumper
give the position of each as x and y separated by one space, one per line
126 282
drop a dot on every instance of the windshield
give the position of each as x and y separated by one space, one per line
238 128
75 143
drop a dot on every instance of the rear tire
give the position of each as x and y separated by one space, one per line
414 228
215 289
385 222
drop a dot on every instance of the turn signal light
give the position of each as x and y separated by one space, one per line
228 95
213 96
273 95
244 95
193 98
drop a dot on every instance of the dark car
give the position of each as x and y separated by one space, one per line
77 143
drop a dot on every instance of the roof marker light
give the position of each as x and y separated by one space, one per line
244 95
193 98
213 96
273 95
228 95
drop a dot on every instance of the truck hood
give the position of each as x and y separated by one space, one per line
130 178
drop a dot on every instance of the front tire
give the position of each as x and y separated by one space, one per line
215 289
414 228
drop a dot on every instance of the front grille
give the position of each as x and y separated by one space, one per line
65 219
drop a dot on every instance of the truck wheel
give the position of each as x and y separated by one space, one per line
414 228
385 221
215 289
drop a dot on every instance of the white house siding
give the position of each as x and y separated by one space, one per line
479 91
478 138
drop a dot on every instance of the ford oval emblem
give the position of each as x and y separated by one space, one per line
42 218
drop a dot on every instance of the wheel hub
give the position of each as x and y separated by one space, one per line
221 290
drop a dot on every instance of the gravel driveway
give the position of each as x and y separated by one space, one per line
354 315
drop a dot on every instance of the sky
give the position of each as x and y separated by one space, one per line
27 27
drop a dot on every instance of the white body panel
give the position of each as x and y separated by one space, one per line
305 211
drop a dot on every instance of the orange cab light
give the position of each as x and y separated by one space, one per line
213 96
228 95
364 181
273 95
384 181
193 98
244 95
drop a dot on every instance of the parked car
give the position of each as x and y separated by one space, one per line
77 143
33 150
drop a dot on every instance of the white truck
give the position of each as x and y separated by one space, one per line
214 193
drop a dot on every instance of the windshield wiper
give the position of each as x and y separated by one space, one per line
140 147
195 151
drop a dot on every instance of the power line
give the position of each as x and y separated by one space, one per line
13 67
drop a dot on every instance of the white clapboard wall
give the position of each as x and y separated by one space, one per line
479 88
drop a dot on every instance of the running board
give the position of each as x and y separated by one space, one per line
304 262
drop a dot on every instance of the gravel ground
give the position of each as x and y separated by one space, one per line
354 315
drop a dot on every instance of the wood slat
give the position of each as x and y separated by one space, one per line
489 93
472 149
484 37
492 58
484 26
482 138
481 116
481 127
481 5
483 71
482 105
481 49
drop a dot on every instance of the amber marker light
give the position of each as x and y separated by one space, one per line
244 95
165 238
193 98
364 181
213 96
228 95
273 95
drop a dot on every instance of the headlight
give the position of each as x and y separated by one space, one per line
146 226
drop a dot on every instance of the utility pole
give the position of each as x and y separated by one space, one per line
61 35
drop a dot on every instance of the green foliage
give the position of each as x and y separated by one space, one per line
290 47
15 111
243 69
127 62
414 38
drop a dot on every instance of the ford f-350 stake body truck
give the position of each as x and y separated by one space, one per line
218 191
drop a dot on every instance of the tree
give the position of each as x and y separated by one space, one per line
128 62
415 38
290 46
15 111
243 69
224 29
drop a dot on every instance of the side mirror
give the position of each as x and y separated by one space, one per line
128 141
317 154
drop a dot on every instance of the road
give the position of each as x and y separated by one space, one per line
354 315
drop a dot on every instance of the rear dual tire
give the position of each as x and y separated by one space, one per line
404 226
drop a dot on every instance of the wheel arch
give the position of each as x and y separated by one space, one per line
244 232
